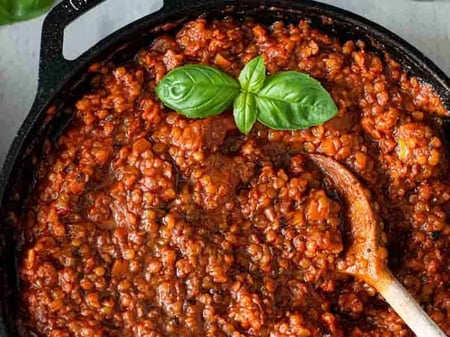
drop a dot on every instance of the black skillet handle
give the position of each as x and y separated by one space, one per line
52 64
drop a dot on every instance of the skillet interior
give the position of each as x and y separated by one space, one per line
119 48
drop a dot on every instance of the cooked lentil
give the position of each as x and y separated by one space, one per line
144 223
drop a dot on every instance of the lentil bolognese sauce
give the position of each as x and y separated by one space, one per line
145 223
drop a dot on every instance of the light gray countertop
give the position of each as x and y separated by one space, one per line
425 24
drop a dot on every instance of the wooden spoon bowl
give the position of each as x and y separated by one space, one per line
366 257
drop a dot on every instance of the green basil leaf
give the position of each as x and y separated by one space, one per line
20 10
253 75
245 111
197 91
291 100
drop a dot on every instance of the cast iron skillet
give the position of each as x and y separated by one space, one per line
62 81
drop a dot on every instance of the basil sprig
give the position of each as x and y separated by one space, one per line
285 101
20 10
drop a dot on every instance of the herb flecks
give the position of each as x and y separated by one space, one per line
288 100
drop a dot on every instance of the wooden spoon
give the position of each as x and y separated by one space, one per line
366 258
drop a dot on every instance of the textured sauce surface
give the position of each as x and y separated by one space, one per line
144 223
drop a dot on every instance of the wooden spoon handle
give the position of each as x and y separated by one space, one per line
407 308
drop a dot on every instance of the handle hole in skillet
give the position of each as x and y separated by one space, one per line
103 20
